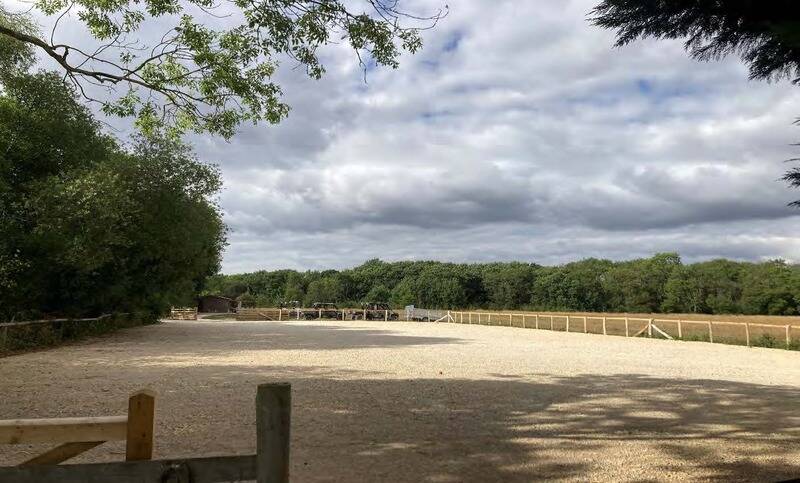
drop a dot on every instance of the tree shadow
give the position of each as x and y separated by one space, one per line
359 426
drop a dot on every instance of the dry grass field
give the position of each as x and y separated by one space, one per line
438 403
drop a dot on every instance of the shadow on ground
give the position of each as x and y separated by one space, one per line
353 425
348 426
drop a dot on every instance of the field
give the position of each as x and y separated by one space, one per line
434 402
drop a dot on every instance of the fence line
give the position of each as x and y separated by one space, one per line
650 323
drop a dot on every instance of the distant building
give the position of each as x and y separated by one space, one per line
215 304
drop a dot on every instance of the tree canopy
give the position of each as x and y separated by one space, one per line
88 225
661 283
208 66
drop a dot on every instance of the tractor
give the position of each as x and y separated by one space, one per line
374 311
322 310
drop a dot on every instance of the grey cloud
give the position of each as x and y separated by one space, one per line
529 138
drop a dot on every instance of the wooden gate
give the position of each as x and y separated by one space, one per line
76 435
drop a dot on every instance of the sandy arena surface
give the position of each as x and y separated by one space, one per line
434 402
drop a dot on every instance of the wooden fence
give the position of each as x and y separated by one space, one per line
76 435
630 326
300 314
16 336
183 313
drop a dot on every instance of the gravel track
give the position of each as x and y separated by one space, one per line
434 402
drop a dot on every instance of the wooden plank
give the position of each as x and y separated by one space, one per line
62 453
63 430
655 327
202 470
141 422
273 425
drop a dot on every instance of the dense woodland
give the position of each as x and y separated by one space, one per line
658 284
91 225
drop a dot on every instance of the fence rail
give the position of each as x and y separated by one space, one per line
629 326
183 313
269 464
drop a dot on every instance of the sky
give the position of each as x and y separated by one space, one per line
517 133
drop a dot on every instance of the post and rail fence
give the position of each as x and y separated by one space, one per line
633 326
74 436
628 326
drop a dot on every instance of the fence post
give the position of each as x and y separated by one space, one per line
509 320
273 424
650 328
537 321
584 324
747 332
524 325
490 319
604 326
386 316
568 323
788 336
280 314
551 322
680 331
141 420
627 332
710 332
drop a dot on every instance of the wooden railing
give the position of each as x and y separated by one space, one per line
76 435
633 326
183 313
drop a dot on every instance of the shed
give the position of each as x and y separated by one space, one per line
215 304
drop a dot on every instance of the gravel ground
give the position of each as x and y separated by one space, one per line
434 402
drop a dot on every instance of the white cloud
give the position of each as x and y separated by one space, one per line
517 133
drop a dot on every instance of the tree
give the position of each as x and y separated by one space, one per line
203 74
89 226
765 35
378 293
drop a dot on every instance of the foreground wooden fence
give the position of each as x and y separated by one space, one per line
631 326
76 435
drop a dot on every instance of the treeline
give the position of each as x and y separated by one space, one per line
658 284
89 225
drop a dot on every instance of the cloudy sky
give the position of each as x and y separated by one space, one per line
518 133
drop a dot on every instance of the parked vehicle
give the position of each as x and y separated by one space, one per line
322 310
374 311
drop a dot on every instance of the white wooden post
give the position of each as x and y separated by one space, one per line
509 320
490 319
650 328
280 314
386 316
747 333
680 330
524 326
537 321
568 323
788 336
584 324
604 326
627 332
710 332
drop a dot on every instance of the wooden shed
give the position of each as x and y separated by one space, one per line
215 304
